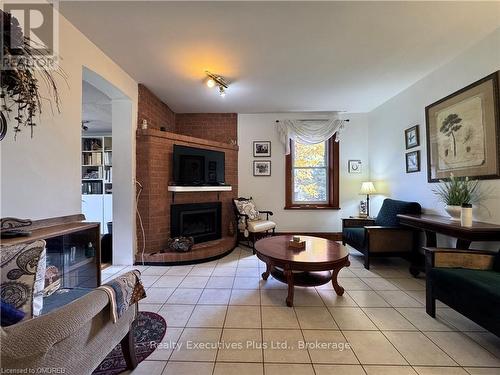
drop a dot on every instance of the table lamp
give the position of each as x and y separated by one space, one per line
367 188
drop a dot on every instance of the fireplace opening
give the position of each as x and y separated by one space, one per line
202 221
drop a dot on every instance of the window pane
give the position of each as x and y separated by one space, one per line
309 155
310 185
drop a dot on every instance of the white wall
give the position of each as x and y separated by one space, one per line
269 192
40 177
387 124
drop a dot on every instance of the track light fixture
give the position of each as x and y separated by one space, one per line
216 80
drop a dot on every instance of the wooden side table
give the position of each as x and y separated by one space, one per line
433 224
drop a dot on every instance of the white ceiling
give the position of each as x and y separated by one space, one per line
96 109
282 56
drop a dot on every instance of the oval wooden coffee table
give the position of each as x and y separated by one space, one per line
317 264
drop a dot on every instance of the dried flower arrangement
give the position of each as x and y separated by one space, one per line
20 95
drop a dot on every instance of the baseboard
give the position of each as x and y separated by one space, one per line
332 236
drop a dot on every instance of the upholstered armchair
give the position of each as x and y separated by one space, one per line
250 222
382 236
467 281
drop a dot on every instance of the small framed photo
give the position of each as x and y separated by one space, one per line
412 137
413 162
362 209
262 168
354 166
261 149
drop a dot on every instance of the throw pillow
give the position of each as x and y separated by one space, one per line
22 271
9 315
247 207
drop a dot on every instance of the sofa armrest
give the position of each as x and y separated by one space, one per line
356 223
389 239
455 258
38 335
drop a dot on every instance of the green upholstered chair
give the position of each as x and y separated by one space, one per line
382 236
466 280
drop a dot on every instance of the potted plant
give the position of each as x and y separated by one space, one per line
20 97
457 191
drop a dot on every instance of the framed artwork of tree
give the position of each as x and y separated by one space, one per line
463 132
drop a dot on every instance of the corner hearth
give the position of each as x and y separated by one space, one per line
155 171
202 221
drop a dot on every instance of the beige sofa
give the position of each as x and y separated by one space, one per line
74 338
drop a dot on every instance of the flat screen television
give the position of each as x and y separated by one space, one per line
197 166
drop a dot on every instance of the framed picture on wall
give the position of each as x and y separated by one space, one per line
354 166
463 132
412 137
261 149
262 168
413 161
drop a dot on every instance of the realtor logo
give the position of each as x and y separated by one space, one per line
30 34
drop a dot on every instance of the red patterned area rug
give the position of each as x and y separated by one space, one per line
149 329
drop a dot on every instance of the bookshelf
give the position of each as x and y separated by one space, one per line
97 165
97 178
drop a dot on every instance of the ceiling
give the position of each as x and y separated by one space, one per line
282 56
96 109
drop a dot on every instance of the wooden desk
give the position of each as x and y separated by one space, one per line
62 234
433 224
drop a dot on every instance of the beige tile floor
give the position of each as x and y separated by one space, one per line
226 320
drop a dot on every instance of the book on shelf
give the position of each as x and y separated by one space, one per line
94 187
108 158
92 158
108 174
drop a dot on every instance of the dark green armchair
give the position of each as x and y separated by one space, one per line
466 280
382 236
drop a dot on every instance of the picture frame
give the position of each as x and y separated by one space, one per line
412 137
354 166
362 209
262 149
413 161
463 132
262 168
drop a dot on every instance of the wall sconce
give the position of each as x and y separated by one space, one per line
216 80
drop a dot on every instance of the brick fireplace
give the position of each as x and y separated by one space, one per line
154 150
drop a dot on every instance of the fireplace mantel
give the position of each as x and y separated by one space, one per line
192 189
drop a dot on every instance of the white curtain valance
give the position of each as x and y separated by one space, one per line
308 131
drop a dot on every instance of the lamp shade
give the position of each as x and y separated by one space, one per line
367 188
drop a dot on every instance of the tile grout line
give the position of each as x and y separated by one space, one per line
304 338
345 338
260 289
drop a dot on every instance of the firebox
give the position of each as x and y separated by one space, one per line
202 221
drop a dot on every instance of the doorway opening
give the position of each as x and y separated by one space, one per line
108 166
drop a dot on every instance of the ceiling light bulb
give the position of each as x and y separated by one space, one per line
210 82
222 92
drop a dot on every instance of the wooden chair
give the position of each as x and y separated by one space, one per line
382 236
249 222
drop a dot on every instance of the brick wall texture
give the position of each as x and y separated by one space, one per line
151 108
154 150
221 127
